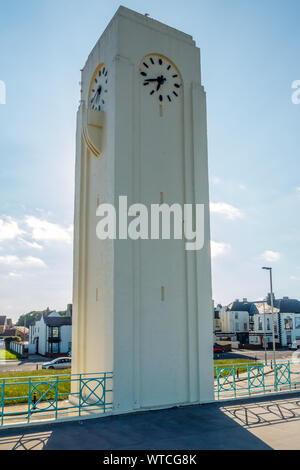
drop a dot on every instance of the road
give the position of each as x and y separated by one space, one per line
281 354
33 363
36 361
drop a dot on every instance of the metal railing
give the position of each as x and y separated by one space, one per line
247 379
25 400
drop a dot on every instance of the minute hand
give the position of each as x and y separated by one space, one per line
151 80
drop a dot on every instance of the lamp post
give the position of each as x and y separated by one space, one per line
272 310
265 337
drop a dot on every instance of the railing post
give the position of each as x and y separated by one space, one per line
248 380
104 392
234 384
29 400
218 382
79 404
56 396
3 400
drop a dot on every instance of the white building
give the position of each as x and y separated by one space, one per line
51 335
286 322
262 328
142 308
289 321
234 322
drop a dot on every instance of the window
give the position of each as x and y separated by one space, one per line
268 324
55 331
288 323
260 324
245 326
236 316
53 348
297 323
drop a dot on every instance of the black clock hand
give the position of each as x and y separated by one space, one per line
151 80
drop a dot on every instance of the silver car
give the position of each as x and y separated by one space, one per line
59 363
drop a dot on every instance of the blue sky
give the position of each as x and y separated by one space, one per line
250 57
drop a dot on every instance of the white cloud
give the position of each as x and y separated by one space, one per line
42 230
9 229
14 275
33 261
219 249
271 256
34 245
242 187
295 278
10 260
13 260
227 210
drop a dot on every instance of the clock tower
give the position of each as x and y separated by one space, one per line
142 309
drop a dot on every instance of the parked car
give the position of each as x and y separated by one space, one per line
218 348
59 363
295 345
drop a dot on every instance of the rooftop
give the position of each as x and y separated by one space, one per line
58 321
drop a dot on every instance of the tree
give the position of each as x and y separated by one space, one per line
28 319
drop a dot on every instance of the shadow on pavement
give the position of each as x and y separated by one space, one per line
192 427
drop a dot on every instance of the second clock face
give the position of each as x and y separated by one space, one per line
160 78
98 93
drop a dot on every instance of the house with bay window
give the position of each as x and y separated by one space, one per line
290 321
51 335
286 322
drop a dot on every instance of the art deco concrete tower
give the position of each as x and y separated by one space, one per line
143 308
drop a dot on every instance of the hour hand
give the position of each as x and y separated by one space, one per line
151 80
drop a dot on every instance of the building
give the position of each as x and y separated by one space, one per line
2 323
142 308
20 331
52 334
261 325
289 321
217 325
234 322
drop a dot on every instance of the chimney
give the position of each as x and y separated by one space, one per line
245 299
69 310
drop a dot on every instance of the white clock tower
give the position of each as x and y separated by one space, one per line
142 308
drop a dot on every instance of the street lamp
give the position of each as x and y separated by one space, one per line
265 336
272 309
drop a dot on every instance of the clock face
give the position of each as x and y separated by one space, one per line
98 89
160 78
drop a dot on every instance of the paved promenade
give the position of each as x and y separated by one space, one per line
266 423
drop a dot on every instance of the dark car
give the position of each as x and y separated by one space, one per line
218 348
